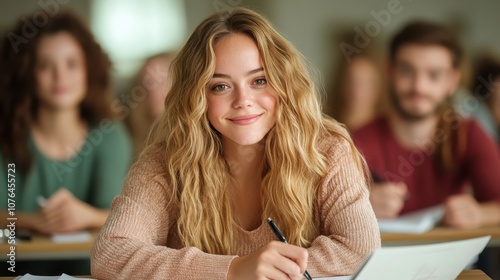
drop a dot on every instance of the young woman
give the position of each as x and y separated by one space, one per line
146 99
59 140
356 98
242 139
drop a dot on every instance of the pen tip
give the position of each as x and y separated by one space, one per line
269 219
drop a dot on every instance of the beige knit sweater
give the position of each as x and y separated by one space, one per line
138 241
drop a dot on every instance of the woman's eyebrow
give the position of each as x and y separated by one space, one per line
219 75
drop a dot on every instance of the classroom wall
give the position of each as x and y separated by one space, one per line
12 10
313 26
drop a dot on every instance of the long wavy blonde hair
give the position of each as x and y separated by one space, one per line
196 170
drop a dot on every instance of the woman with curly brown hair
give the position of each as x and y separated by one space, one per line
59 136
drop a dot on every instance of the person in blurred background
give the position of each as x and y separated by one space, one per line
487 86
356 95
153 82
468 104
59 136
422 153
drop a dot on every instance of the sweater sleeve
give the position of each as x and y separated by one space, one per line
132 243
349 229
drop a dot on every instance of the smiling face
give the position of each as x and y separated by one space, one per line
60 71
423 77
241 104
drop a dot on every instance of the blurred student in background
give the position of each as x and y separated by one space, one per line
469 104
153 82
57 127
422 153
486 86
356 94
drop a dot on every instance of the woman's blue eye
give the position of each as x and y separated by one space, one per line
261 81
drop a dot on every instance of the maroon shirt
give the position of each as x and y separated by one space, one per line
477 164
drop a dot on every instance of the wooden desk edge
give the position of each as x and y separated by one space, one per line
440 234
465 275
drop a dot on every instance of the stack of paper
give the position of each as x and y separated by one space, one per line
415 222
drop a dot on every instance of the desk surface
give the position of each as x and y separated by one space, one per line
41 247
440 234
465 275
473 275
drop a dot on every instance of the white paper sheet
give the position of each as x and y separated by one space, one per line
415 222
67 277
36 277
419 262
334 278
74 237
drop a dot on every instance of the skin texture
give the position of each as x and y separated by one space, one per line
235 96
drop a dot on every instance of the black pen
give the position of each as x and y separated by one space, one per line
377 178
282 238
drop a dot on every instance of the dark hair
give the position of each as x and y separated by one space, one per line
18 84
487 69
427 33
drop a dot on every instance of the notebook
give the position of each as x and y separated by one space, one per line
414 222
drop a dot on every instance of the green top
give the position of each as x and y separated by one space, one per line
95 174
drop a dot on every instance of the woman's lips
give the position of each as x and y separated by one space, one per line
245 120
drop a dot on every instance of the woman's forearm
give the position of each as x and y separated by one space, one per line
98 217
23 220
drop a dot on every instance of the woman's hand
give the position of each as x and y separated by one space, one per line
462 211
388 199
65 213
276 260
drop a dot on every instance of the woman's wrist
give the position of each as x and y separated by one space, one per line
28 221
231 274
